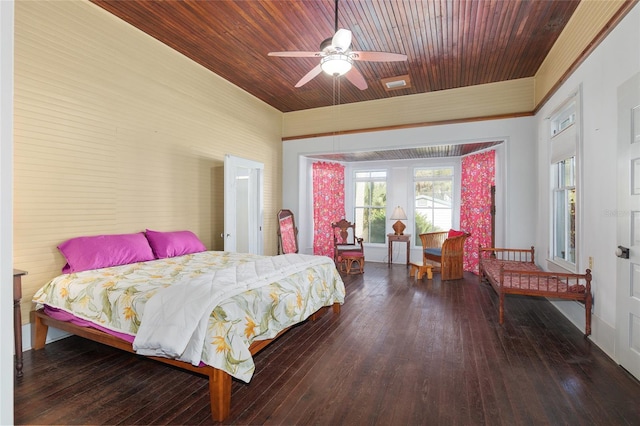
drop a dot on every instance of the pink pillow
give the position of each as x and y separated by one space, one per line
101 251
454 233
176 243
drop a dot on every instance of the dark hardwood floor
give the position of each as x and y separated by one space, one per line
401 352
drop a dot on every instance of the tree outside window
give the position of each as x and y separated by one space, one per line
433 191
371 205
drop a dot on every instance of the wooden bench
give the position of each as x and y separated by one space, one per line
513 271
419 270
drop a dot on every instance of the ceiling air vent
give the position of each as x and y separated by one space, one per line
396 83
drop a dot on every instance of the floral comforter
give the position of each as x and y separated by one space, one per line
114 299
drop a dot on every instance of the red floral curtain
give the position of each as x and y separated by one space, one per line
478 176
328 204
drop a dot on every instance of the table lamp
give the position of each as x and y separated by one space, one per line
398 215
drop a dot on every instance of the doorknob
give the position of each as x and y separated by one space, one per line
622 252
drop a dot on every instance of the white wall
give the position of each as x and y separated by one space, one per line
515 171
6 221
614 61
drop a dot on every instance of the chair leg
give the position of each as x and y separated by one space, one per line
349 264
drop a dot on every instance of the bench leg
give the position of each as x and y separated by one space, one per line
587 313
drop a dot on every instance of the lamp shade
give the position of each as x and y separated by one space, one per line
337 64
398 214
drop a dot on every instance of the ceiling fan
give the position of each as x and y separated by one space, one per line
336 57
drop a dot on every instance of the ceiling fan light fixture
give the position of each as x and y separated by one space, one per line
336 64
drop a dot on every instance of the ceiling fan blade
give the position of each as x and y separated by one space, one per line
341 39
309 76
296 54
377 56
355 77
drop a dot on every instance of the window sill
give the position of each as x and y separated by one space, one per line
555 265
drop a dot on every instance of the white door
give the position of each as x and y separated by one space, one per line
243 205
628 270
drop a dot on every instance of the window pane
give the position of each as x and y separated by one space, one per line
433 191
566 173
565 225
379 194
370 224
430 173
370 206
363 197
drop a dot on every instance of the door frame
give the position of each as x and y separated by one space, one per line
255 205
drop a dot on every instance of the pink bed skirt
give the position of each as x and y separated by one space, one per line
65 316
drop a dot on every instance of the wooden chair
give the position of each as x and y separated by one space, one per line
348 251
446 253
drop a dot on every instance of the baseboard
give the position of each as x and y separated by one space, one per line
52 335
602 334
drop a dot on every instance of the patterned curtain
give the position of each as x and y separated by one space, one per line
328 204
478 176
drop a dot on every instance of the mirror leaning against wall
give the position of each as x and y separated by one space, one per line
287 232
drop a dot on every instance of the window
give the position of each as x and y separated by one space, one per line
370 205
564 142
564 211
433 196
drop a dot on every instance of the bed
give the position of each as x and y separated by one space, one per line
513 271
207 312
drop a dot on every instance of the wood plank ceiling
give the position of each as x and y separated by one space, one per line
437 151
449 43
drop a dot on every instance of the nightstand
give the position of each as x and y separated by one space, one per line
404 238
17 317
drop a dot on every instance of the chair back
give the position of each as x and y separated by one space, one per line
433 239
348 251
344 232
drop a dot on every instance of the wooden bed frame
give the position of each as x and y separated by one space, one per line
519 265
219 380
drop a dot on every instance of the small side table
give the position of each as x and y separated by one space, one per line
17 317
404 238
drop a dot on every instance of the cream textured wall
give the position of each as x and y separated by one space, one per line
507 97
588 20
116 132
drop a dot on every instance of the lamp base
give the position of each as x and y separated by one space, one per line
398 228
